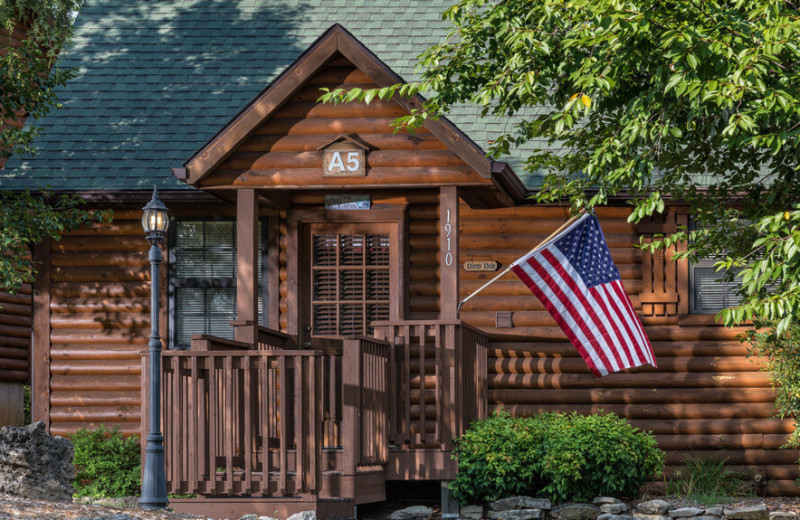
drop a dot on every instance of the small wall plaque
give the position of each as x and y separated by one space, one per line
504 320
345 156
347 201
480 265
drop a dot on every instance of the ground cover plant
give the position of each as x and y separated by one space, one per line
107 464
562 457
709 480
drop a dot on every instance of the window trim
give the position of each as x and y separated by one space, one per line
173 282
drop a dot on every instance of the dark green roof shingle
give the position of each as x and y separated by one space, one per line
157 79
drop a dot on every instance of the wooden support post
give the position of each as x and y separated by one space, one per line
40 358
246 265
448 252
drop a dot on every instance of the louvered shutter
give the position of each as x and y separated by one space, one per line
350 282
711 294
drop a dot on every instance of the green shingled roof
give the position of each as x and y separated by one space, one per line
158 79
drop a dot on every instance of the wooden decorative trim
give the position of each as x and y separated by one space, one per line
448 260
338 39
40 357
246 263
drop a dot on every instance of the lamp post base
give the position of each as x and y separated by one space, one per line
154 477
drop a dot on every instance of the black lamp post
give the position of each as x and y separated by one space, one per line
154 481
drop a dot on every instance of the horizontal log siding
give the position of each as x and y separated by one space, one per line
15 335
284 151
705 395
99 322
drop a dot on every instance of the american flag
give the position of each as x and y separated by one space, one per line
575 278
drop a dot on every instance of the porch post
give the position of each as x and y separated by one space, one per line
246 265
448 248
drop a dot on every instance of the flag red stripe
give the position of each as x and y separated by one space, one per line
631 338
546 276
627 302
621 343
603 340
551 308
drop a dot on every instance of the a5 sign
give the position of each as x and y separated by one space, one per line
343 160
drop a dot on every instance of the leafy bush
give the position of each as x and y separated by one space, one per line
558 456
26 404
708 480
783 364
106 463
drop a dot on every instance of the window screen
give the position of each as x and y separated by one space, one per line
710 294
203 279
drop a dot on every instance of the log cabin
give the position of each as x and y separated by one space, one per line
314 352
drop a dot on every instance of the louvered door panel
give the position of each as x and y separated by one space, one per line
350 275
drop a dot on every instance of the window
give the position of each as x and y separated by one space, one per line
350 287
709 294
202 279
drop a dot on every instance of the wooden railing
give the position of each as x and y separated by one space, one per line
439 372
365 403
243 422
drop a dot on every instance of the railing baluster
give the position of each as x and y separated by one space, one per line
194 448
284 430
229 413
212 424
248 449
265 414
299 430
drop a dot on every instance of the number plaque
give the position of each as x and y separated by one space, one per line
343 160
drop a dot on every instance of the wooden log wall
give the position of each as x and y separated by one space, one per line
15 335
706 397
99 305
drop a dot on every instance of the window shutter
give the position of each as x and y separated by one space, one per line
664 282
710 294
350 283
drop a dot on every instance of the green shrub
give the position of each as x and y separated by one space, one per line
708 480
558 456
106 463
26 404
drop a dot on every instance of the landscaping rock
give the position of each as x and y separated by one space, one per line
714 511
516 514
304 515
576 512
118 502
640 516
610 516
117 516
520 502
406 514
783 515
706 517
471 512
613 509
266 518
684 512
35 465
756 512
605 500
250 516
654 507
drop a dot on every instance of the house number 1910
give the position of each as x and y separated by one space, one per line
448 228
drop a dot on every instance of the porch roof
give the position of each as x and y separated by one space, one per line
157 80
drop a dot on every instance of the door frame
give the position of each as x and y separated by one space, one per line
298 227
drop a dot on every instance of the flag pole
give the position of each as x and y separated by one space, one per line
541 244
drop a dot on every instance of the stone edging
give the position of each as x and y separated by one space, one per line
609 508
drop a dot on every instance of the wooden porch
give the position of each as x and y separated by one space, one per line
268 428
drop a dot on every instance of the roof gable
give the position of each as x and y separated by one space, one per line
469 166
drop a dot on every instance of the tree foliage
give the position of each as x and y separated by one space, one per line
28 78
28 70
651 100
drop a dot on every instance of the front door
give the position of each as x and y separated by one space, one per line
350 278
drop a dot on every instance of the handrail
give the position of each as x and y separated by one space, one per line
269 339
207 342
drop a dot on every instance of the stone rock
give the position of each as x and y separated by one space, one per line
471 512
249 516
504 504
640 516
605 500
654 507
119 502
267 518
613 509
783 515
714 511
35 465
706 517
576 511
115 516
611 516
756 512
683 512
406 514
516 514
